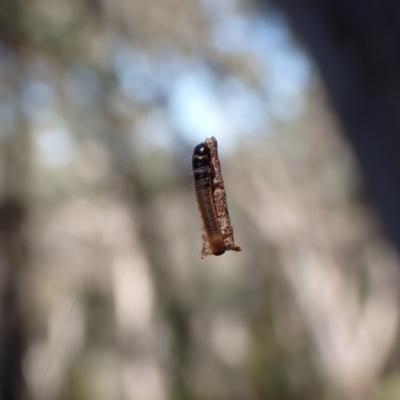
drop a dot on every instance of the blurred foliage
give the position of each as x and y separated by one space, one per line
101 103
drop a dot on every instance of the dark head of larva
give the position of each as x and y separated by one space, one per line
201 156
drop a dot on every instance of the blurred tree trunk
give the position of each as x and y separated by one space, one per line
170 303
13 258
357 48
13 212
12 344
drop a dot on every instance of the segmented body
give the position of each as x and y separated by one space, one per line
203 180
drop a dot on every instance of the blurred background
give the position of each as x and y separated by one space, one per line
103 295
